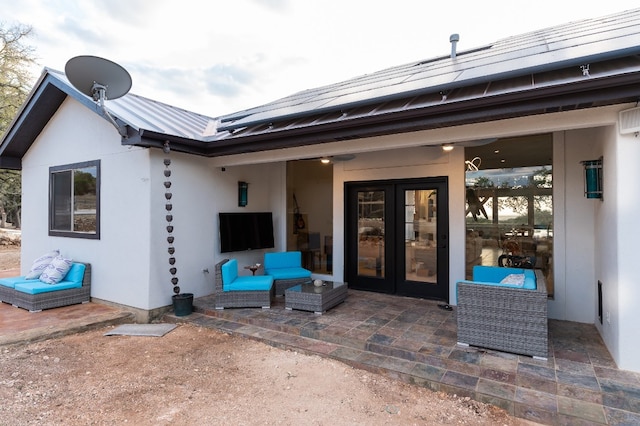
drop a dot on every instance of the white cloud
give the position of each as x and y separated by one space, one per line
220 57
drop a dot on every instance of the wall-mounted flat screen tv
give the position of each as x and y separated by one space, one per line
245 231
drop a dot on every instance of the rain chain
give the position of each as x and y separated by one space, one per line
167 184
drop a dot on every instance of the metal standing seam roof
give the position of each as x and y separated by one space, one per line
574 44
581 64
139 114
146 114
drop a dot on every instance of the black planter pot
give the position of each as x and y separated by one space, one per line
182 304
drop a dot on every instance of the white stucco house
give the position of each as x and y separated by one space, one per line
390 212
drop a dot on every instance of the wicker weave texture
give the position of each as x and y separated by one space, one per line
282 285
6 294
506 319
50 299
312 301
238 299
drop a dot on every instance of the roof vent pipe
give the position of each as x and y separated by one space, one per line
454 39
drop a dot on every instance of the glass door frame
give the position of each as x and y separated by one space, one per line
394 280
383 283
407 287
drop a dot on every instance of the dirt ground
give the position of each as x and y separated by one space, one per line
195 375
9 252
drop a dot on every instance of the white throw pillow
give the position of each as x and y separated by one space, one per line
40 264
517 279
56 270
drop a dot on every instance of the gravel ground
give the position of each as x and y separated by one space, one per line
195 375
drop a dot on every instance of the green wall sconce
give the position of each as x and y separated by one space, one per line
243 194
593 178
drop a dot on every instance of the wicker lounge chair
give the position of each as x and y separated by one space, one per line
502 318
239 298
50 299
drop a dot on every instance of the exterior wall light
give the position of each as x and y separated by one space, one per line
593 178
447 147
243 194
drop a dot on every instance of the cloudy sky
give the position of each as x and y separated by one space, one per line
218 57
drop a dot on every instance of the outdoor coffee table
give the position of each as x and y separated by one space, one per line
308 297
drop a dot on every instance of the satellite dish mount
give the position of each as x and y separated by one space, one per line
101 79
99 93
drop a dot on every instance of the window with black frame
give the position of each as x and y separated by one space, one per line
74 200
509 205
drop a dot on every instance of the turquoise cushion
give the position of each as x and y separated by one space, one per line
286 259
491 283
37 286
76 273
492 275
12 281
529 279
229 272
288 273
250 283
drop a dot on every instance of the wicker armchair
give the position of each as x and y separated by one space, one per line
502 318
286 269
239 298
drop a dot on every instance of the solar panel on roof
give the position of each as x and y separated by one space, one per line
537 51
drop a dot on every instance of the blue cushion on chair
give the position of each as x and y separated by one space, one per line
229 272
37 286
250 283
287 259
76 273
493 275
12 281
288 273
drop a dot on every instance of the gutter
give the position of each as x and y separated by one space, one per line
584 94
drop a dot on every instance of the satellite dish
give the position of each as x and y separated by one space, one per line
101 79
90 74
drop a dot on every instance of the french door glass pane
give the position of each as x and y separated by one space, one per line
420 235
371 216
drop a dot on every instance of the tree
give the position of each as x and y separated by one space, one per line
10 197
15 81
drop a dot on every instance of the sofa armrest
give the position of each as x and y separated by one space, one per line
229 272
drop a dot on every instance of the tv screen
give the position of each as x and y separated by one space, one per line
245 231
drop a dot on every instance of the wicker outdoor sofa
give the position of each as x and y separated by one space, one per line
286 269
49 299
504 317
242 296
